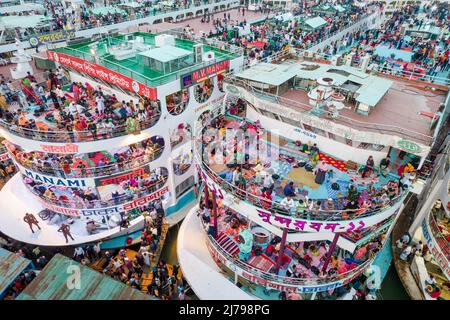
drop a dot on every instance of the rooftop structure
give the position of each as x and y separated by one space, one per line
11 265
51 284
315 23
365 101
125 53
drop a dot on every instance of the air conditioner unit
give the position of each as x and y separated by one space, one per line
164 40
208 56
198 53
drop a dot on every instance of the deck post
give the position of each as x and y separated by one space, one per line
281 253
214 201
206 193
330 251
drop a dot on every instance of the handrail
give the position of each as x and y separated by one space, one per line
283 279
152 82
139 16
75 135
443 243
322 214
302 108
86 204
96 171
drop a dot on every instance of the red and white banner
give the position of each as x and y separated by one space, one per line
109 210
103 73
4 157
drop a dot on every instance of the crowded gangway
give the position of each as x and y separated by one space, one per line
437 286
137 264
295 177
58 110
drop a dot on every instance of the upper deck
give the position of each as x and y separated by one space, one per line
361 101
126 54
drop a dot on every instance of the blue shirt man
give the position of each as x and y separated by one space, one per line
289 189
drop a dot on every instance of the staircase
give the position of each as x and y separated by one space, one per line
164 230
227 243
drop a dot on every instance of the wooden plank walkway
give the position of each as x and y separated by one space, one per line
401 227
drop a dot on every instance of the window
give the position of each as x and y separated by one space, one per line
369 146
184 186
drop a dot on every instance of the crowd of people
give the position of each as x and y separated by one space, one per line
66 17
81 113
429 56
255 183
39 260
274 34
89 197
300 260
100 163
161 282
408 248
166 281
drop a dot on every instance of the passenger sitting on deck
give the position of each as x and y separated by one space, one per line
384 166
288 204
289 189
368 168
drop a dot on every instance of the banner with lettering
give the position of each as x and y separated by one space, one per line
109 184
274 284
103 73
52 37
204 73
57 181
136 203
4 157
269 219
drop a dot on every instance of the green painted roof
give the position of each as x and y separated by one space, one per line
133 67
106 10
11 266
23 21
316 22
52 284
166 54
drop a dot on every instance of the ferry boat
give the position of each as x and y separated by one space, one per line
142 91
306 167
425 272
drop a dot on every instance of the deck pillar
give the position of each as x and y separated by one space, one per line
330 251
214 201
281 253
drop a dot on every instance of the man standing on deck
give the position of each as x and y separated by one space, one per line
31 220
65 229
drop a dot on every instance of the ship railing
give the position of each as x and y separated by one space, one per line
283 279
75 135
150 82
308 214
397 72
96 204
97 171
277 208
303 108
100 25
441 240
